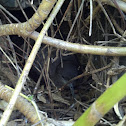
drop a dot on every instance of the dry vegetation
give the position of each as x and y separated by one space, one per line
94 23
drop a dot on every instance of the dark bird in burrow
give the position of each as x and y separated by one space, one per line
62 69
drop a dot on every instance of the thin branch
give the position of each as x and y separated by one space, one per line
91 14
75 20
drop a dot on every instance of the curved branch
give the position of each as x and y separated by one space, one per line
81 48
26 28
21 104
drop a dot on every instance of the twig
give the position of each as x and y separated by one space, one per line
112 26
75 20
8 58
1 7
91 14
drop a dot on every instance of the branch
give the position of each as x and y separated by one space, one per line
81 48
26 28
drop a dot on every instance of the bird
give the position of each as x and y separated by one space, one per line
63 74
62 69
